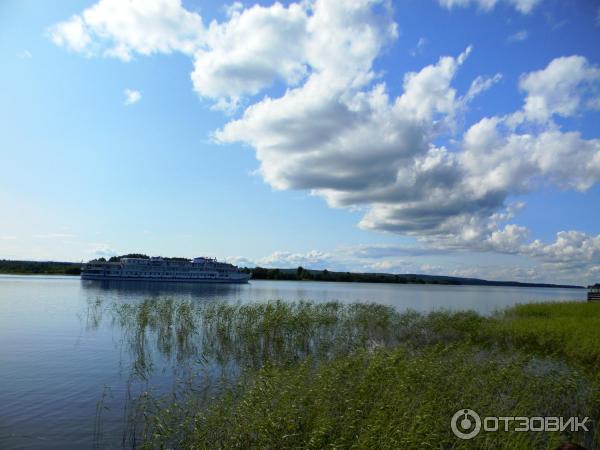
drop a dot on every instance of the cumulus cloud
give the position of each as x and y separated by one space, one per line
98 250
255 47
349 146
131 96
240 261
71 34
523 6
314 260
562 88
573 255
500 161
336 41
569 246
118 28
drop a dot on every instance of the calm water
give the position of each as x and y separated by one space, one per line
67 365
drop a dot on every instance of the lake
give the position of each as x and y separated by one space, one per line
74 354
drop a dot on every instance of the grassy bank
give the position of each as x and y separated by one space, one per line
570 331
365 376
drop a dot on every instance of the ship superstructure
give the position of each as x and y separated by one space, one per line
197 270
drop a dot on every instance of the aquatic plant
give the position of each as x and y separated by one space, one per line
316 375
378 399
569 330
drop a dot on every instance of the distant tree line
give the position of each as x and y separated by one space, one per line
261 273
39 267
302 274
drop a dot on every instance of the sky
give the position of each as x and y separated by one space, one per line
455 137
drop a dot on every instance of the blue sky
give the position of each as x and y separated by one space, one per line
451 137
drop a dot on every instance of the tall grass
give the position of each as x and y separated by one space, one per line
251 335
569 330
332 375
378 399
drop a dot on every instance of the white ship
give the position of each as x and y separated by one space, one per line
197 270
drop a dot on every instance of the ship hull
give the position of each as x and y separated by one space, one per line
241 280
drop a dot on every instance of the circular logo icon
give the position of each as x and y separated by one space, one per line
466 424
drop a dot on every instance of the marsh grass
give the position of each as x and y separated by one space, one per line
283 333
332 375
380 399
570 330
157 325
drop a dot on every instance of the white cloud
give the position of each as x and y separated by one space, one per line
480 85
259 45
251 50
102 250
560 88
132 96
313 260
315 136
428 94
389 266
71 34
496 160
572 257
117 28
523 6
569 247
519 36
240 261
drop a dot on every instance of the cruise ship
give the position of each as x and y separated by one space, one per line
197 270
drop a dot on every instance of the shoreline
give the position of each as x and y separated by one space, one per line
16 267
486 283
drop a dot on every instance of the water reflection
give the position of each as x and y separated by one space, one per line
233 336
182 327
483 299
184 347
126 288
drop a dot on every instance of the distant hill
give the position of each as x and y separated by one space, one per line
298 274
260 273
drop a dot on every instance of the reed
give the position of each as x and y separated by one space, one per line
569 330
333 375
